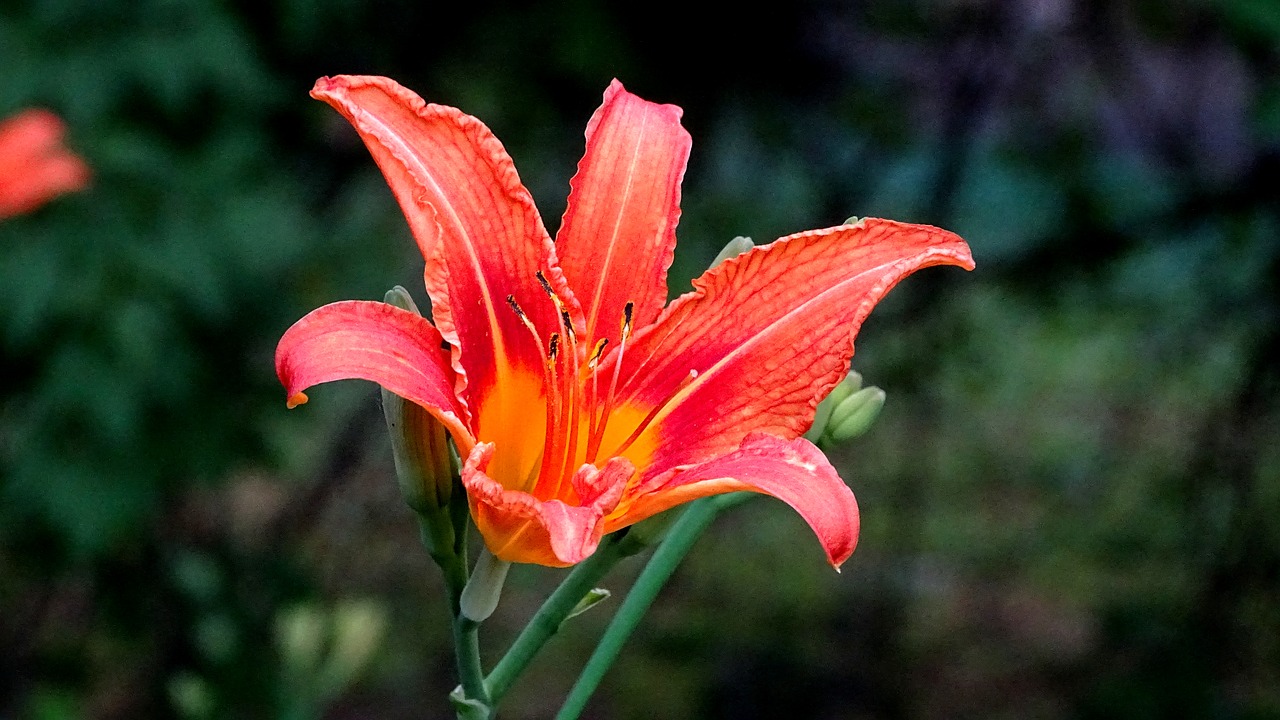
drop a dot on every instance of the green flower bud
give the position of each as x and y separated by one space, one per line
854 415
425 462
822 417
733 249
847 412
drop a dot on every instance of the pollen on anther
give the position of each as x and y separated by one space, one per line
295 400
546 286
553 348
599 351
515 306
627 311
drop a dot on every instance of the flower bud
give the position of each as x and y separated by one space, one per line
854 415
423 457
733 249
847 412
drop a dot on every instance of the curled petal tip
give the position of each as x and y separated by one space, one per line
324 85
296 399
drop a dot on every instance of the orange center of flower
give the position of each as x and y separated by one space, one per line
582 418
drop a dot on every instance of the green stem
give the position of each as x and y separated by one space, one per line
451 557
466 642
549 617
680 539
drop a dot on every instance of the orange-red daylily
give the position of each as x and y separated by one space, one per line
34 165
580 403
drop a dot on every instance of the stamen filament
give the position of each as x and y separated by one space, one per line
593 442
644 424
550 443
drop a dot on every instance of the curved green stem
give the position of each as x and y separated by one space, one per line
466 642
680 539
549 617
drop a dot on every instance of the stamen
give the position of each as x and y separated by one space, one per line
597 435
568 326
542 280
644 424
595 356
592 364
551 440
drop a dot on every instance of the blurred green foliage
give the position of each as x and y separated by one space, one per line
1069 498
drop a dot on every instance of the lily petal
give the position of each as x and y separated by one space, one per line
374 341
765 335
477 227
618 237
517 527
794 471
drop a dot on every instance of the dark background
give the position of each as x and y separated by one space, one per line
1069 502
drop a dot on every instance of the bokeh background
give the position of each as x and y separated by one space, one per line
1070 501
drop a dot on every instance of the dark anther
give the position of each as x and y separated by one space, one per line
542 280
511 300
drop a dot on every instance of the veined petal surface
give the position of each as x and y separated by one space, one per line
618 235
359 339
765 335
794 471
480 234
520 528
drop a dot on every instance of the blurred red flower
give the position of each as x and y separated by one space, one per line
35 166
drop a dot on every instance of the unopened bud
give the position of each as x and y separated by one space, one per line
822 416
423 458
733 249
854 415
847 412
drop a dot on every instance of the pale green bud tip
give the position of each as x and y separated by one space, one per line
401 298
822 417
593 598
484 589
733 249
854 415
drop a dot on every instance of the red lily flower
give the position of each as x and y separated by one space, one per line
580 404
34 166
